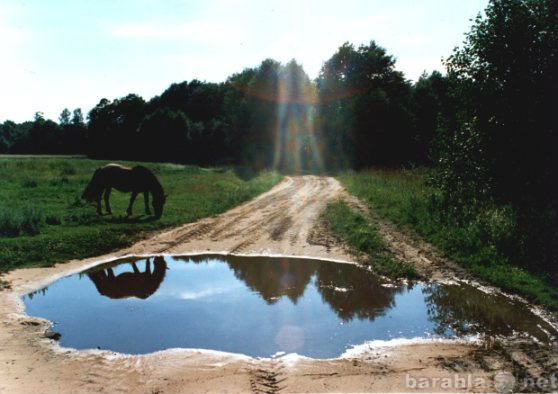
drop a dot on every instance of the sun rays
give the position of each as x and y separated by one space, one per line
296 149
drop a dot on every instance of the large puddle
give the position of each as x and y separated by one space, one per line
260 306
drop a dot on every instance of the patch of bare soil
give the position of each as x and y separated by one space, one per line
283 221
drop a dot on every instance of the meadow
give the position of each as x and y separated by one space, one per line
43 219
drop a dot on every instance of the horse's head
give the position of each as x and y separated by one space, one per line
93 189
158 204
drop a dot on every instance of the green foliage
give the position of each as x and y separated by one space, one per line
64 118
489 242
270 111
49 223
361 235
365 108
499 148
430 104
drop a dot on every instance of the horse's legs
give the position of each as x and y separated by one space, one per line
146 200
132 199
107 205
148 267
135 268
99 210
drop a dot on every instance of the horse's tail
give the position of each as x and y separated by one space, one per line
93 188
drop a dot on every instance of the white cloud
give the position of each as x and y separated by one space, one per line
195 295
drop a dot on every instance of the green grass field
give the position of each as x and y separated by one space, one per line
44 221
404 197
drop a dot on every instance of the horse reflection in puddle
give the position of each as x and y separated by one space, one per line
130 284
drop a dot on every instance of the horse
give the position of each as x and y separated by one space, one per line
130 284
136 180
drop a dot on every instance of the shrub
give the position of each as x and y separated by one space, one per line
14 223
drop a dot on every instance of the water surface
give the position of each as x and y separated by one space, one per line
260 306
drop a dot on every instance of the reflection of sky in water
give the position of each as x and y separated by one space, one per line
256 306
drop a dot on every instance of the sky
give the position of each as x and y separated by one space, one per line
65 53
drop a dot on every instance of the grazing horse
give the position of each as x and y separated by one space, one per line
137 179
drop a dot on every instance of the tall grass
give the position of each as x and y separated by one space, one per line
16 223
363 237
484 241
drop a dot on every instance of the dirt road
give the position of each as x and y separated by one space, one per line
282 221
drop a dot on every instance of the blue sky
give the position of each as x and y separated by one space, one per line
62 53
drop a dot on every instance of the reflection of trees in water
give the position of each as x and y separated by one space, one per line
129 284
466 309
352 291
42 291
273 278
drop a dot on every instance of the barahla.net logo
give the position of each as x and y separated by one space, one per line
502 382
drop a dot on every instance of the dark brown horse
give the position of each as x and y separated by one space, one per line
130 284
136 180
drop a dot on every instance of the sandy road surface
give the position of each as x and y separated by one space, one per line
281 221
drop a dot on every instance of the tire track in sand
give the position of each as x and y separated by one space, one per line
278 221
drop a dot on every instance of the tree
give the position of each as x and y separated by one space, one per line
64 118
164 136
295 142
39 116
263 94
431 104
365 107
113 127
77 117
237 114
44 136
505 81
501 145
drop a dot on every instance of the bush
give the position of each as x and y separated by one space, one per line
14 223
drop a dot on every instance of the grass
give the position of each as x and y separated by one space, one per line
404 197
44 221
363 237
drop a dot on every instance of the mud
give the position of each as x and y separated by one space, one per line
283 221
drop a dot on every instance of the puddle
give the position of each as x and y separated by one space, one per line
260 306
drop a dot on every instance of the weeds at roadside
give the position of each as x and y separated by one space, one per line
361 235
4 285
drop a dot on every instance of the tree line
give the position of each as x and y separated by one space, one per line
359 112
488 126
